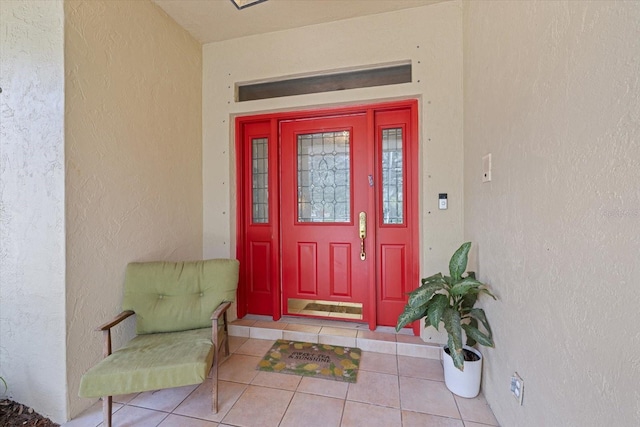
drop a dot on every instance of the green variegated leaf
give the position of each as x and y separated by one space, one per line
409 315
436 308
478 313
427 323
484 290
456 354
451 320
458 262
436 278
423 294
478 336
465 285
469 300
474 324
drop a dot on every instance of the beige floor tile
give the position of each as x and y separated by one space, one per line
409 339
418 350
254 347
322 387
236 342
310 410
198 404
476 409
269 325
92 416
239 368
259 406
472 424
427 396
265 334
379 362
124 398
277 380
337 340
377 346
299 336
375 388
163 400
378 336
328 330
243 322
131 416
417 367
179 421
358 414
416 419
312 329
239 331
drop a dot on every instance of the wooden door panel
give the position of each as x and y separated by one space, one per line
397 227
340 270
393 267
320 242
306 263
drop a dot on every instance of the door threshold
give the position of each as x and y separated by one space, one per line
334 332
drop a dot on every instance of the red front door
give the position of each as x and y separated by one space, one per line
328 211
326 192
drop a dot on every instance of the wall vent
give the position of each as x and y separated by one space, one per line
378 76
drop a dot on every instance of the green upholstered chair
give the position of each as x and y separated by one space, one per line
181 324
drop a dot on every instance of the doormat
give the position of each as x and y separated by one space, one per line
325 361
330 308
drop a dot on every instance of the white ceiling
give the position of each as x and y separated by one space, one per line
216 20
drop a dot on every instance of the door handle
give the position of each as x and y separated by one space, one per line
363 233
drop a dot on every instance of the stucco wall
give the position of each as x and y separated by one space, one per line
552 91
430 37
32 259
133 156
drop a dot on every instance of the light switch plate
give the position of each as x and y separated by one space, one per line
486 168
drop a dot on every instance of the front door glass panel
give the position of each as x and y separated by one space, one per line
324 177
260 180
392 177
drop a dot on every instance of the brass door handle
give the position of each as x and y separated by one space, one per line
363 234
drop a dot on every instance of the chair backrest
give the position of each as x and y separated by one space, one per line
178 296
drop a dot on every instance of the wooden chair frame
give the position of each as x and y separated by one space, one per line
221 311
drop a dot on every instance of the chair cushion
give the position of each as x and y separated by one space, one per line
176 296
152 362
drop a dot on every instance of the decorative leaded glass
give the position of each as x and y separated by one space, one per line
260 179
324 181
392 184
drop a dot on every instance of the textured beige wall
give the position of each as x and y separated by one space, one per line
134 150
552 91
32 259
430 36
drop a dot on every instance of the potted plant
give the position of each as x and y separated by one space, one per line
450 300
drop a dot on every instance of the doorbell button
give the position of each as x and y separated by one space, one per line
442 200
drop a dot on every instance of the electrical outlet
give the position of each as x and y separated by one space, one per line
517 387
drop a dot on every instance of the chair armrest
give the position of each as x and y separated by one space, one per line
106 330
223 307
221 311
113 322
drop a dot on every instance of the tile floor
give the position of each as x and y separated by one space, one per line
394 387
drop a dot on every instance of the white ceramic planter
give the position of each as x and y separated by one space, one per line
463 383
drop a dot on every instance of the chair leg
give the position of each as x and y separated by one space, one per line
106 410
214 382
